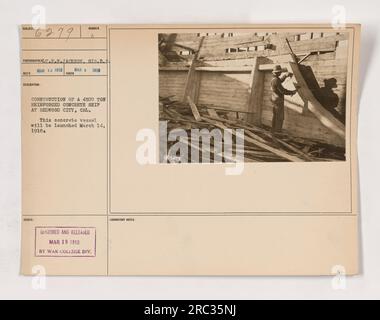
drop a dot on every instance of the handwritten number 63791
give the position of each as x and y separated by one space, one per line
60 33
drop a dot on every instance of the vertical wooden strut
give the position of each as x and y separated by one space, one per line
255 92
194 109
189 87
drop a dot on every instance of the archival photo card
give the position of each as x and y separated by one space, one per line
253 96
189 149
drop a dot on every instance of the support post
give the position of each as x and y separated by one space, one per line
256 90
191 75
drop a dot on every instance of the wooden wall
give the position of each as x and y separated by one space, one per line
226 90
172 83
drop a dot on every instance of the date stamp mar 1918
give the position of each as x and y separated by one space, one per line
65 242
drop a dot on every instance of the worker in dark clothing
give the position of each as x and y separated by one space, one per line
278 93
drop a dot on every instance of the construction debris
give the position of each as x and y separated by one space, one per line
260 145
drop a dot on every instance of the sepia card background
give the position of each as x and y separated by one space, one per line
15 286
274 219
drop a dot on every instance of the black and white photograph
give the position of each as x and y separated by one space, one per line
265 96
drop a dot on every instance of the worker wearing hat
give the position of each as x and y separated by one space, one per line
278 94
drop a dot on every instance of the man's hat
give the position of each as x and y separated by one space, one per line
277 69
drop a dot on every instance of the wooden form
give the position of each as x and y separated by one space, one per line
242 86
325 117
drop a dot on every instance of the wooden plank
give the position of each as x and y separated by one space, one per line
227 110
219 43
256 90
212 113
225 69
320 44
174 68
294 149
236 56
196 86
270 66
211 152
191 73
238 124
194 109
209 69
260 144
